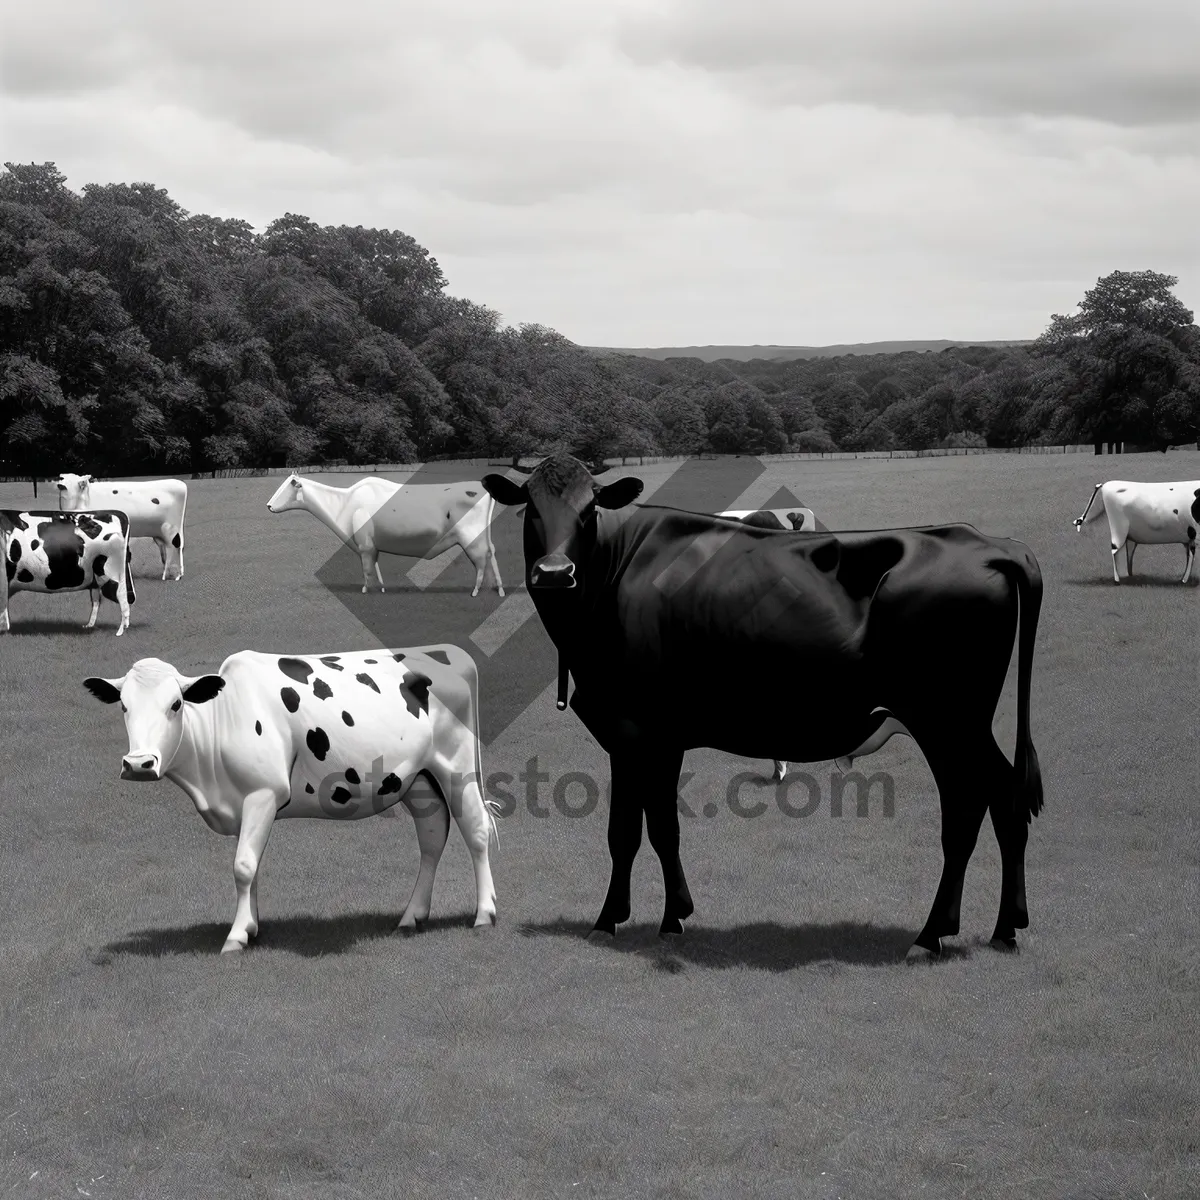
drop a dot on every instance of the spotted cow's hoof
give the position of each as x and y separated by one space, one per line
410 929
232 947
602 937
486 921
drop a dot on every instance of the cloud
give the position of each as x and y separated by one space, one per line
1106 60
645 173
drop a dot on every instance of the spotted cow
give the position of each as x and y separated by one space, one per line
1146 514
342 736
155 509
773 518
67 552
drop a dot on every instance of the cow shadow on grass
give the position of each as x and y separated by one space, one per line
43 628
307 936
760 945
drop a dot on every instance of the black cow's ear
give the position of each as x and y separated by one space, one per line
205 688
617 495
504 490
103 689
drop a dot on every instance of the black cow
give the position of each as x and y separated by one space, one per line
685 629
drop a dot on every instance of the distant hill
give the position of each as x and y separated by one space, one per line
746 353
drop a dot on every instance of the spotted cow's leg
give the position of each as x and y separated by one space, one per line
1130 547
624 838
94 596
4 593
258 815
379 574
1191 558
780 770
475 825
432 819
660 784
162 553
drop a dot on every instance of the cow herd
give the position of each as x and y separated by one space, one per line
678 629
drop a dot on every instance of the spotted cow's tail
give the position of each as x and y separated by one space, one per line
1080 521
491 807
1022 568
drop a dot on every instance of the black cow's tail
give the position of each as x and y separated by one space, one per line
1022 568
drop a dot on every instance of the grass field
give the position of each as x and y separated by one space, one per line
778 1050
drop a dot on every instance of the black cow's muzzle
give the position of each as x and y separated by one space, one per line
553 571
143 768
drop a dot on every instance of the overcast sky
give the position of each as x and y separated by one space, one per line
660 172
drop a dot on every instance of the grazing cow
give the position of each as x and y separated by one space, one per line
375 516
48 551
331 735
1147 514
800 519
155 509
685 629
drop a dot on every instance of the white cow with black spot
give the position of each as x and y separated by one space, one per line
155 509
333 735
1147 514
66 552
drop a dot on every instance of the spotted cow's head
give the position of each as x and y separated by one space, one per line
74 491
289 494
152 696
561 497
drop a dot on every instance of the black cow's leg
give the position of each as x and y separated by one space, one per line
624 839
966 780
1012 833
660 787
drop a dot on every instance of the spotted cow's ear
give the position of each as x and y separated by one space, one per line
203 689
108 691
617 495
504 490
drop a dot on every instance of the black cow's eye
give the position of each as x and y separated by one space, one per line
176 705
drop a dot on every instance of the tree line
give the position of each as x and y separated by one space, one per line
136 337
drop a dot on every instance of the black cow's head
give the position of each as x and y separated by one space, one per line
561 497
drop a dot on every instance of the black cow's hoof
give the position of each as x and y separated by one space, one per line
1005 945
920 953
671 927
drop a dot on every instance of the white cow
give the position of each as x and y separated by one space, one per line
1147 514
155 509
334 735
48 551
375 516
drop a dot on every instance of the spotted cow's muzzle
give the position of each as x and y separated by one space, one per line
144 768
553 571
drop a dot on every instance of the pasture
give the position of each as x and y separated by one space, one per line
778 1050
